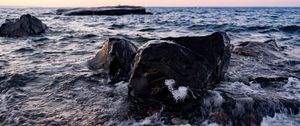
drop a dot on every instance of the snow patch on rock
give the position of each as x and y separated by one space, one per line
178 94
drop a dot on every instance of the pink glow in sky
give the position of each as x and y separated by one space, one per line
200 3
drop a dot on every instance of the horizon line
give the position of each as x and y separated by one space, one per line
9 6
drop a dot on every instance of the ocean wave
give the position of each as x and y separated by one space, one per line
290 28
207 26
254 28
236 28
9 80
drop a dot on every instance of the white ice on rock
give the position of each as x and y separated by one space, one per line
178 94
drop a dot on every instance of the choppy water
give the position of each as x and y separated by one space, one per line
44 79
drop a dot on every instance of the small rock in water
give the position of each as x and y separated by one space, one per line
27 25
265 81
116 57
87 36
250 120
219 117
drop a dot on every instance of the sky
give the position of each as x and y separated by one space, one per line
167 3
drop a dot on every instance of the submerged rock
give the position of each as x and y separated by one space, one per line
168 72
215 48
25 26
261 62
255 49
269 80
116 57
114 10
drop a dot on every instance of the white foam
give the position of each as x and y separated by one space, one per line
291 89
178 94
281 119
208 123
146 121
213 99
293 83
121 88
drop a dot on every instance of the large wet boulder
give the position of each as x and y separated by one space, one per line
169 73
179 70
113 11
215 48
27 25
115 57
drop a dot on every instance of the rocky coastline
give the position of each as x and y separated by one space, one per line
178 78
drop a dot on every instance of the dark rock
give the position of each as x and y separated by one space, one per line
114 10
214 48
40 39
24 50
250 120
87 36
168 72
219 117
27 25
290 28
147 30
116 57
270 81
117 26
255 49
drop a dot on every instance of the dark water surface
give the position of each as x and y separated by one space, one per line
44 79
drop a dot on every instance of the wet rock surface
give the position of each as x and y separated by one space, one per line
27 25
168 72
116 56
268 64
114 10
179 72
215 48
255 49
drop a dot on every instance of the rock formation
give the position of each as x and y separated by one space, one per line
169 72
27 25
215 48
114 11
181 71
172 70
116 57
